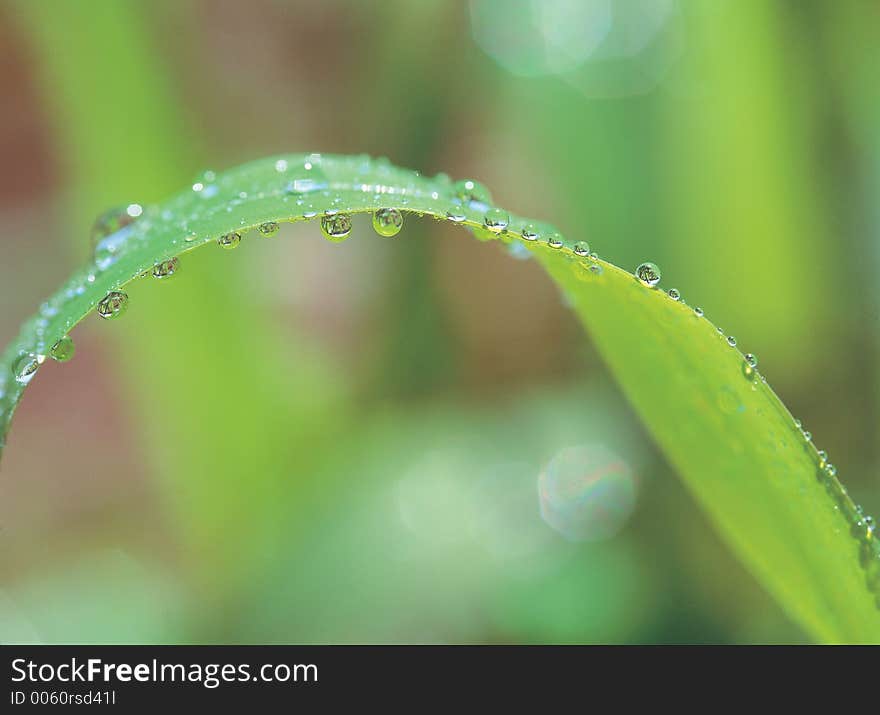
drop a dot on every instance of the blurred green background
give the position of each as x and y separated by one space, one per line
304 442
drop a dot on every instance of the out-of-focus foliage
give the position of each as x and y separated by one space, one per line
636 151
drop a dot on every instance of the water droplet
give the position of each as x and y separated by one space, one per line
586 493
456 215
112 305
281 166
830 470
470 191
388 222
674 294
750 362
111 221
582 248
229 240
336 227
554 240
63 350
823 457
190 236
311 177
808 436
134 210
698 312
649 274
26 366
530 232
731 341
166 269
268 229
496 220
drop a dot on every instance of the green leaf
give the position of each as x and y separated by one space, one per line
735 444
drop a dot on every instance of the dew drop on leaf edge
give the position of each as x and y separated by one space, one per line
166 269
336 227
554 240
229 240
387 222
268 229
649 274
112 305
63 350
25 367
496 220
530 232
581 248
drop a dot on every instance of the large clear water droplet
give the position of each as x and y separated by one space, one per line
336 227
166 269
554 240
649 274
310 177
581 248
112 221
268 229
112 305
63 350
387 222
531 232
229 240
25 367
496 220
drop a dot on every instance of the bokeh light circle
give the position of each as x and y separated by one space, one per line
586 492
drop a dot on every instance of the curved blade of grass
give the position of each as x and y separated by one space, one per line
733 441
